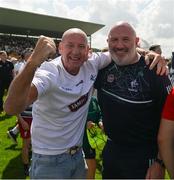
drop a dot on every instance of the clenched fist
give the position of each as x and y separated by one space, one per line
45 47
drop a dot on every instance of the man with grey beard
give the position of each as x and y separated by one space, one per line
131 97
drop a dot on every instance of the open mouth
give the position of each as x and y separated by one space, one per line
75 59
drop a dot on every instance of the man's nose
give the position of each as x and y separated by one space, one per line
76 50
119 44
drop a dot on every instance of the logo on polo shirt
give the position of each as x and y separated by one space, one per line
93 77
110 78
134 86
79 103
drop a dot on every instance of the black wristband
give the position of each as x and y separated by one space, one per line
160 162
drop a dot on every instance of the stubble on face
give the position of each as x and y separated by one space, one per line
74 50
122 43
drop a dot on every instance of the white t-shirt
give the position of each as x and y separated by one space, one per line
59 114
17 67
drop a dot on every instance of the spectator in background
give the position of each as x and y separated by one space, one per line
12 133
14 45
172 65
94 118
156 48
24 123
6 75
13 60
18 65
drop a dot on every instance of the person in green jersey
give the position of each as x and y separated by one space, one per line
94 118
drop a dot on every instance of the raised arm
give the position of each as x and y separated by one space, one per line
21 92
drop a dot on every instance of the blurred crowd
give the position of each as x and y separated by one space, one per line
15 45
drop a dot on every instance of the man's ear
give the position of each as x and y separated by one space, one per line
60 48
137 41
88 53
107 40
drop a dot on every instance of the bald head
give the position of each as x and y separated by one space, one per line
122 42
74 31
124 25
74 50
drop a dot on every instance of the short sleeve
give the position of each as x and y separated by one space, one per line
101 59
168 110
45 78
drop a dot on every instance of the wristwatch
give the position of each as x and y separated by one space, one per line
160 162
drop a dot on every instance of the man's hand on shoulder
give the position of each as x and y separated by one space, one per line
157 60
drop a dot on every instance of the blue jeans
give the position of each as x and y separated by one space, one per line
62 166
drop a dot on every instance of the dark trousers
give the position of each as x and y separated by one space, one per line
126 162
